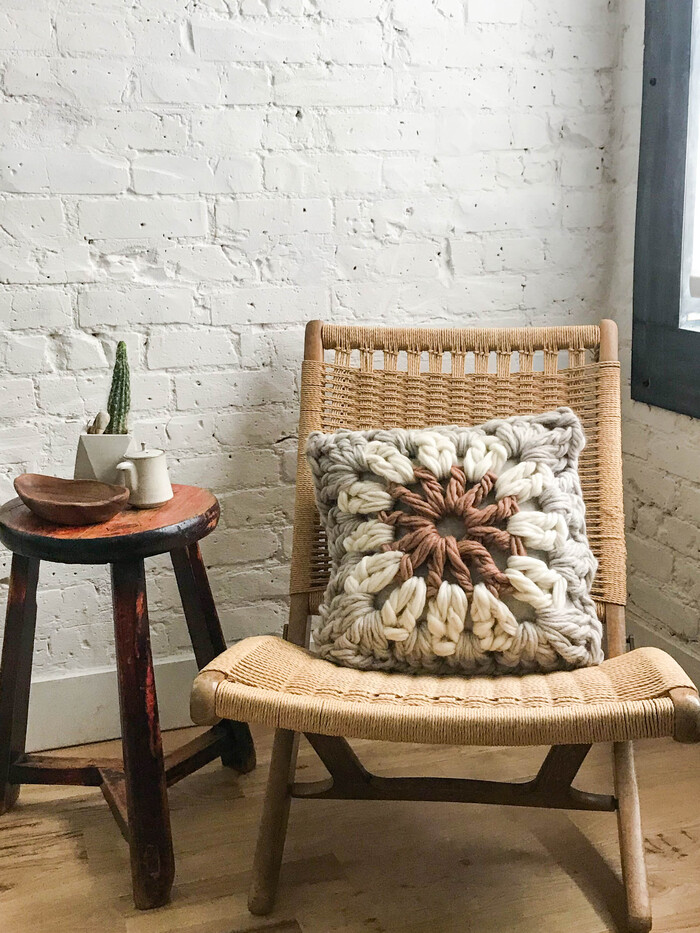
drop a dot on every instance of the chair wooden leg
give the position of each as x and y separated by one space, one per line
634 872
16 670
273 824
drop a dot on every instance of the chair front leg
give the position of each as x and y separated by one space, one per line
634 872
273 824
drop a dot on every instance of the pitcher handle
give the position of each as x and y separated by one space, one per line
127 466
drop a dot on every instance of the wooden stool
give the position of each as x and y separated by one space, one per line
135 789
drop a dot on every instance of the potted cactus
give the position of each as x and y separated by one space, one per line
106 440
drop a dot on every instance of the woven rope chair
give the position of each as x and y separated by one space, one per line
640 694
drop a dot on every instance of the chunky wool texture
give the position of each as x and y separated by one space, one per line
457 549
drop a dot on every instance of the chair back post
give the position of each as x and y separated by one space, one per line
298 628
615 627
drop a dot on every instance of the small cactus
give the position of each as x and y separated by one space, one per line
119 394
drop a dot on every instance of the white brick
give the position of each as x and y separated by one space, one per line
84 173
288 42
269 305
63 260
294 128
580 47
166 174
245 85
207 262
119 129
83 352
25 30
258 427
226 131
358 9
278 216
582 167
243 546
165 84
93 33
17 398
188 348
586 209
20 443
485 88
486 11
32 218
240 468
149 391
414 260
274 7
325 173
107 306
27 354
90 82
319 86
381 130
132 217
23 170
211 391
155 38
35 308
191 432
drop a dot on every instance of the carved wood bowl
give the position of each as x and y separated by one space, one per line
70 501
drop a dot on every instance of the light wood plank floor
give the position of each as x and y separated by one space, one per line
361 867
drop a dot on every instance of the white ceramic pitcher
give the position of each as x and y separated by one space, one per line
145 474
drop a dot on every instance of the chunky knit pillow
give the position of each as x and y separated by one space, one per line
456 549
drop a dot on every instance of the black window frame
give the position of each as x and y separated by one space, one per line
665 356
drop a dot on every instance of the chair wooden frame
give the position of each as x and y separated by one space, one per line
553 785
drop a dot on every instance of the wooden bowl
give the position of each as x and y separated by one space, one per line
70 501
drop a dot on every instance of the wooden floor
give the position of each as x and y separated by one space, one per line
362 867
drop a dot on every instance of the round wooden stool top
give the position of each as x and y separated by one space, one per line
190 515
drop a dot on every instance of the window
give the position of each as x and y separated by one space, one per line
666 329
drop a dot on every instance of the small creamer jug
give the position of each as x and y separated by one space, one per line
145 474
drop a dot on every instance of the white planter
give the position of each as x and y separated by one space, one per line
99 454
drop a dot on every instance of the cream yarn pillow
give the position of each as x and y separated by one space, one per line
456 549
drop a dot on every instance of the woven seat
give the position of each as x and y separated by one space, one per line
265 679
463 377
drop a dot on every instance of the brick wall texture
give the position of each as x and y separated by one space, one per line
200 177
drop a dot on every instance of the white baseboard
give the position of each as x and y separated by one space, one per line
644 636
84 707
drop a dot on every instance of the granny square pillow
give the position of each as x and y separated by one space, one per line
456 549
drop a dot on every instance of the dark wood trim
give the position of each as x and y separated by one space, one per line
664 356
16 671
150 841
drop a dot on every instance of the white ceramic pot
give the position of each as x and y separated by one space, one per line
99 454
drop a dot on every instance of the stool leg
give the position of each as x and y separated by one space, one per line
208 642
16 670
150 842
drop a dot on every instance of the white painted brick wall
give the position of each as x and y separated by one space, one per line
200 178
662 449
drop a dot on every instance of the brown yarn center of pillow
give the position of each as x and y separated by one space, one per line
420 525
